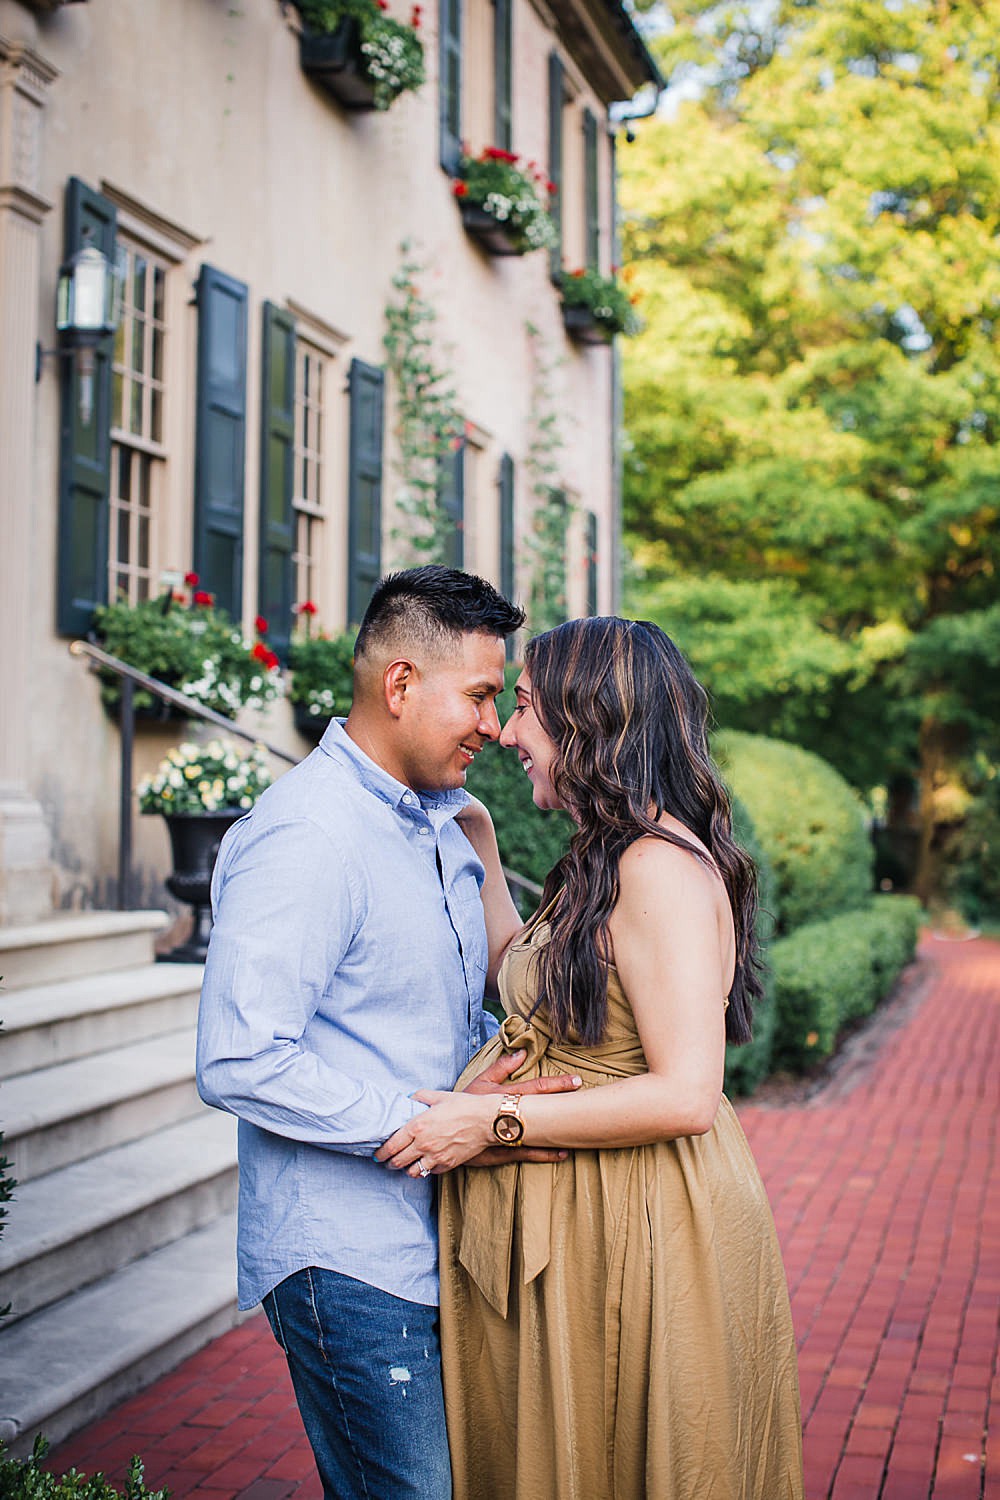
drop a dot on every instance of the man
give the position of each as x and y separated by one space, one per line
346 972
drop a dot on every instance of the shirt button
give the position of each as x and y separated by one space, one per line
423 830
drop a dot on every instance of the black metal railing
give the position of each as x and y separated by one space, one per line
131 678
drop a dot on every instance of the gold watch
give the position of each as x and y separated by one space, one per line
508 1127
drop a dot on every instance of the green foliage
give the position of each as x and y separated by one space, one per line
392 51
608 300
835 971
974 875
808 821
530 841
748 1065
511 193
322 670
25 1479
428 425
814 407
198 650
545 541
209 778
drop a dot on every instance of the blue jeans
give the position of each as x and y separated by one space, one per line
366 1369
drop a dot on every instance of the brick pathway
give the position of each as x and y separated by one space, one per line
886 1190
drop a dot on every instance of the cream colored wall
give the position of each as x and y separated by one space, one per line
201 114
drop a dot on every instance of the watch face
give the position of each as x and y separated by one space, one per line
508 1128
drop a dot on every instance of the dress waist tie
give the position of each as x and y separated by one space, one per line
489 1195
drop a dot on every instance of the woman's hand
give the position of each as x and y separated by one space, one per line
453 1130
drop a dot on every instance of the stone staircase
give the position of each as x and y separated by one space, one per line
118 1255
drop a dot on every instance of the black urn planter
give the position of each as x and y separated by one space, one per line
156 715
334 60
194 843
583 327
491 233
310 726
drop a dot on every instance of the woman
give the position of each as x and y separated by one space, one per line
615 1325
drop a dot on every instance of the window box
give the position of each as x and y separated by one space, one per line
496 238
583 327
334 60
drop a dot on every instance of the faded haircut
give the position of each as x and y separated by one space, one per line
433 607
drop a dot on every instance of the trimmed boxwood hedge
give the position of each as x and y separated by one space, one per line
25 1479
748 1065
829 973
809 822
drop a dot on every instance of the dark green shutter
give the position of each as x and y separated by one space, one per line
220 437
275 578
503 56
591 544
591 193
505 484
556 92
451 500
366 384
508 570
84 450
450 84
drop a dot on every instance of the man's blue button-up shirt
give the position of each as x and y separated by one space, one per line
345 971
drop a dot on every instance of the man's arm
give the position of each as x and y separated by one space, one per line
285 915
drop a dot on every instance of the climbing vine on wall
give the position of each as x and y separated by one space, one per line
428 427
548 532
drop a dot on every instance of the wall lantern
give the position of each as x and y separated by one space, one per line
88 309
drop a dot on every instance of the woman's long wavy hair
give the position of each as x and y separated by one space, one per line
628 719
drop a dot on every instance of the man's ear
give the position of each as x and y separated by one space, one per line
396 679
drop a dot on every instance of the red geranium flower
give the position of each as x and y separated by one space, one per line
264 655
202 598
460 189
191 579
306 608
581 272
551 187
260 625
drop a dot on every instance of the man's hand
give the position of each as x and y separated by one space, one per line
496 1080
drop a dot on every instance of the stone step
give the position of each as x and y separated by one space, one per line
74 1226
56 1116
55 1023
68 1364
73 943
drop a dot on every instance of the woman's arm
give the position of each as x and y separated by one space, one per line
503 920
673 946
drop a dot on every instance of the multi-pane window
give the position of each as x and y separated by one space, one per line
137 451
307 492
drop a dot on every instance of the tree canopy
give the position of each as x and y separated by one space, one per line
813 472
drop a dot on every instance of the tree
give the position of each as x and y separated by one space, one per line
814 410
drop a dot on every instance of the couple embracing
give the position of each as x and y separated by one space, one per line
533 1263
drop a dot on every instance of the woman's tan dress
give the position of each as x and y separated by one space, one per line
615 1326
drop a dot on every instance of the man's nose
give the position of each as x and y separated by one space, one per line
489 723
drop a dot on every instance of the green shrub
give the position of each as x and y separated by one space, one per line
25 1479
832 972
809 822
322 669
748 1065
973 854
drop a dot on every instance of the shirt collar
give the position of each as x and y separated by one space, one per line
374 778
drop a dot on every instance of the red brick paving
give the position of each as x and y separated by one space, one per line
885 1186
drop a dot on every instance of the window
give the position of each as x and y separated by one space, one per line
503 54
450 85
307 493
591 193
451 499
137 452
591 561
556 95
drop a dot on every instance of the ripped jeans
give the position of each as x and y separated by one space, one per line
366 1368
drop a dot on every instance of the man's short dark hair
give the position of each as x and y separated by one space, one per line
435 605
